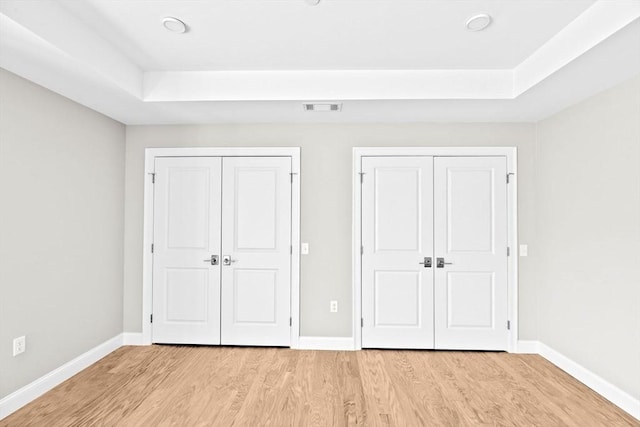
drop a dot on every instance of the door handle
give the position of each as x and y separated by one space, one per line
426 262
440 263
213 260
226 260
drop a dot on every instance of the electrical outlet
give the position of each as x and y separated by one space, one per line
524 250
333 306
304 248
19 345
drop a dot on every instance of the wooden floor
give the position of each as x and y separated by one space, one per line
223 386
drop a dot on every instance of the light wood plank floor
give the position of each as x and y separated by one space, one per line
223 386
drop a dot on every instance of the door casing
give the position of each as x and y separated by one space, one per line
147 260
510 153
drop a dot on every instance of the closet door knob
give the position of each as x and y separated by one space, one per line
226 260
440 263
426 262
213 260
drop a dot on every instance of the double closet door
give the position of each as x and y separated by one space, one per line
221 258
434 257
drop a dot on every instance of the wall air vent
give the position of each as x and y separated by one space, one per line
321 107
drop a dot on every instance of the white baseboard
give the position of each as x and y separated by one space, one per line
31 391
528 347
601 386
132 338
326 343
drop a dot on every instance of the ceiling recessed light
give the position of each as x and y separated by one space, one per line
312 2
174 25
478 22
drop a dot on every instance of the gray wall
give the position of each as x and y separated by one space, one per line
326 201
588 234
61 228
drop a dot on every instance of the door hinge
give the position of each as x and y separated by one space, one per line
153 177
290 321
509 324
361 250
508 251
291 175
508 177
152 248
362 322
361 177
290 249
151 318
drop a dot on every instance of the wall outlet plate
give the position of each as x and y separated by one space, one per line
19 345
304 249
524 250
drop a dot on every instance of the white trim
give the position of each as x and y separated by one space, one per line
104 61
326 85
615 395
599 22
434 151
132 338
147 262
326 343
295 256
356 238
512 218
147 258
512 241
33 390
222 152
528 347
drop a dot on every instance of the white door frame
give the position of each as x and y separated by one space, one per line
147 259
512 222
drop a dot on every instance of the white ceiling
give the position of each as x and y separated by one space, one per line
386 60
335 35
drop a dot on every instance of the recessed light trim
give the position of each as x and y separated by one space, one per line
174 25
478 22
312 2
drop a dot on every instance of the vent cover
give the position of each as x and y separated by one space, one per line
321 107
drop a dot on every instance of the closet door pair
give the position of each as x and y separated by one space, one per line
434 255
221 250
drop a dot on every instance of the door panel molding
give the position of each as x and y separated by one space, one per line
510 154
186 226
397 292
151 154
256 206
471 291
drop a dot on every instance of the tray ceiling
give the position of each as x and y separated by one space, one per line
385 60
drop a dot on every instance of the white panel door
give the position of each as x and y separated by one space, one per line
186 286
397 235
256 239
470 205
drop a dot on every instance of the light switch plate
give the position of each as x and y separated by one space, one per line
304 249
524 250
